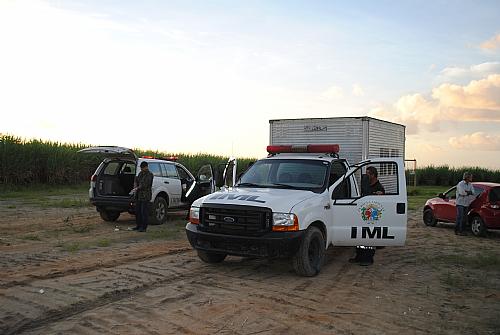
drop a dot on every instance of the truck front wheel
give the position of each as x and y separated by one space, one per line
210 257
309 258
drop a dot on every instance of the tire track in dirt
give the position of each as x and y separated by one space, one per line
51 265
24 307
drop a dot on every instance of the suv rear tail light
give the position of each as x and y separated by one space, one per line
93 178
310 148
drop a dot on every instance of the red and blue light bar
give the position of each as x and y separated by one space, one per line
309 148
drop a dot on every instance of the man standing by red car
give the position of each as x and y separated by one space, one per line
465 195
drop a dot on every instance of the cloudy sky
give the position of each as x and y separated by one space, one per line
206 76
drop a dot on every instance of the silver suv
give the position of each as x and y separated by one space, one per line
173 185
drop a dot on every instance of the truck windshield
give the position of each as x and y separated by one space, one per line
304 174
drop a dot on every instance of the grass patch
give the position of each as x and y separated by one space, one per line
417 196
103 243
71 247
487 261
166 232
39 190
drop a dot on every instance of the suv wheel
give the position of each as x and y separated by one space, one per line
477 226
309 258
211 257
429 218
109 216
159 211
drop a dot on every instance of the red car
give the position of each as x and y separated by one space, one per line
484 211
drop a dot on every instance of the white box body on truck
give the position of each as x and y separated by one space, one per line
296 203
359 137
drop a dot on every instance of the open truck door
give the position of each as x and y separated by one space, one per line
226 173
362 219
204 184
110 151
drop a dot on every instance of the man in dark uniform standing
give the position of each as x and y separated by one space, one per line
375 186
364 255
143 192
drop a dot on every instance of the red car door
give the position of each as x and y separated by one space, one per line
448 206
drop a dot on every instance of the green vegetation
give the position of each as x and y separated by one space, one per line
449 176
37 191
419 195
103 243
486 260
72 247
166 232
38 164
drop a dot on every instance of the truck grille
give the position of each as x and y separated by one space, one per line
235 220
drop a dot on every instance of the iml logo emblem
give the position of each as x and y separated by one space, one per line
228 219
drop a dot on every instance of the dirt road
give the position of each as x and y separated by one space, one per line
64 271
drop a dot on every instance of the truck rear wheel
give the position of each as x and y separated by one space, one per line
309 258
109 216
210 257
159 211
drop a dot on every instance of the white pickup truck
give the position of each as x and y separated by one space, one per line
296 203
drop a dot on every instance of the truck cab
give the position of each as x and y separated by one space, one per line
296 203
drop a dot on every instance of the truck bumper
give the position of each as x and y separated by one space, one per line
119 205
272 244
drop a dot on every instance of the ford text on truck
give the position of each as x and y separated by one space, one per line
296 203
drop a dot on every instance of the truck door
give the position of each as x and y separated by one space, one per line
204 184
173 184
361 218
226 173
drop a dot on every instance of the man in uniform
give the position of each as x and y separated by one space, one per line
375 187
143 184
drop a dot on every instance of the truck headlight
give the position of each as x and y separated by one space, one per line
285 222
194 215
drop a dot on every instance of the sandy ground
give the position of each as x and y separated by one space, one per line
65 271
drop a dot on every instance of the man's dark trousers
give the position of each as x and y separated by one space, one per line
461 217
141 214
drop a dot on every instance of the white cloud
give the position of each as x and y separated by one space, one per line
357 90
474 98
491 44
333 93
477 101
478 141
466 74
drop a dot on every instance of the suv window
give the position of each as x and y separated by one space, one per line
128 168
155 169
170 171
112 169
